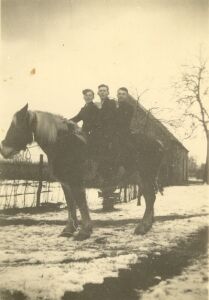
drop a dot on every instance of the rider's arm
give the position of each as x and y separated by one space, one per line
77 118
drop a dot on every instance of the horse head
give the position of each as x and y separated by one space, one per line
19 134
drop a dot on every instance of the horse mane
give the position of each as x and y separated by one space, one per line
49 125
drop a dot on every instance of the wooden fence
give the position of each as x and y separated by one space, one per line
25 184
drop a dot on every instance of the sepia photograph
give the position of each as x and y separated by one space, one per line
104 150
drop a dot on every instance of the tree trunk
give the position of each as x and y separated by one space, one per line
206 177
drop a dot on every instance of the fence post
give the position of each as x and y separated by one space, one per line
125 194
38 200
134 192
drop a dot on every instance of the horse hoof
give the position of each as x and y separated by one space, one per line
68 231
66 234
142 228
82 234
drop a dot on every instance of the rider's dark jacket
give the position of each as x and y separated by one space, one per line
126 152
107 137
125 113
107 119
89 114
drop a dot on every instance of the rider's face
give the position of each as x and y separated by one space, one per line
88 97
122 95
103 92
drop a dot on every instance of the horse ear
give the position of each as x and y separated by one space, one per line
22 112
24 109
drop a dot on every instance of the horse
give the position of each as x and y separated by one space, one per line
65 147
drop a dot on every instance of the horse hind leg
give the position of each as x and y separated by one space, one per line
149 195
72 223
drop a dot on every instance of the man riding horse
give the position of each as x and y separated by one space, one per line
89 114
127 154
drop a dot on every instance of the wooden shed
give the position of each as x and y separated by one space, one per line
174 169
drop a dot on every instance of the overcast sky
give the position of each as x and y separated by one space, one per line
75 44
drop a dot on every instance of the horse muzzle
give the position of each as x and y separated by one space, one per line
7 152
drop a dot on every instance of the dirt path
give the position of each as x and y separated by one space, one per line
37 264
191 284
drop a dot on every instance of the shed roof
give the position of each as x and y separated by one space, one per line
157 122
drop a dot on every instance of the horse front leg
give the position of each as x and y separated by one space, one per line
79 196
145 224
72 223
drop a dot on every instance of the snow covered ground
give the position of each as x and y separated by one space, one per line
37 262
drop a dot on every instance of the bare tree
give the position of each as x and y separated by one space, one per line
192 96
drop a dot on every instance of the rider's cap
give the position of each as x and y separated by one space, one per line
87 91
123 89
103 85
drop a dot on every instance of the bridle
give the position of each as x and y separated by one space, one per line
26 132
